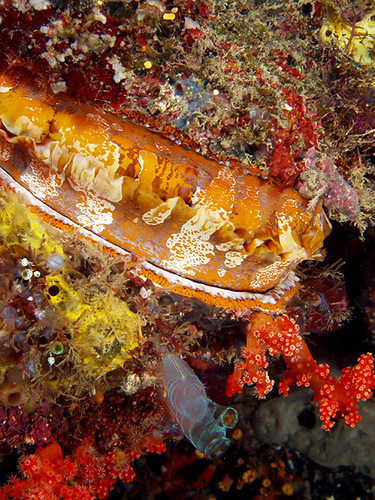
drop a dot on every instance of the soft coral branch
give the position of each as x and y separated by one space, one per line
335 398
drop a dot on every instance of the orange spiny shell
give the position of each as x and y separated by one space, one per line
203 228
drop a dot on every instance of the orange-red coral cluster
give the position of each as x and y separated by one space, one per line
85 475
335 398
279 336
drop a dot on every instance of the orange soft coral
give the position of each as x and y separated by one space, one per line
335 398
85 475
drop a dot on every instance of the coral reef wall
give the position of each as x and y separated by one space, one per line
186 229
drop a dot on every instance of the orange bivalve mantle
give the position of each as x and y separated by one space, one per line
202 228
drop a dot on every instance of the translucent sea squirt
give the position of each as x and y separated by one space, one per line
203 422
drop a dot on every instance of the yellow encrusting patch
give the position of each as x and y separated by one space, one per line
102 327
355 41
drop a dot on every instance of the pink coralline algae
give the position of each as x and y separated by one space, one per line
322 180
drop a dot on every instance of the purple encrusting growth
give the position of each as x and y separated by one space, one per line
203 422
322 180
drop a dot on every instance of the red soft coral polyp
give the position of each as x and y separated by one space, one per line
29 465
360 380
